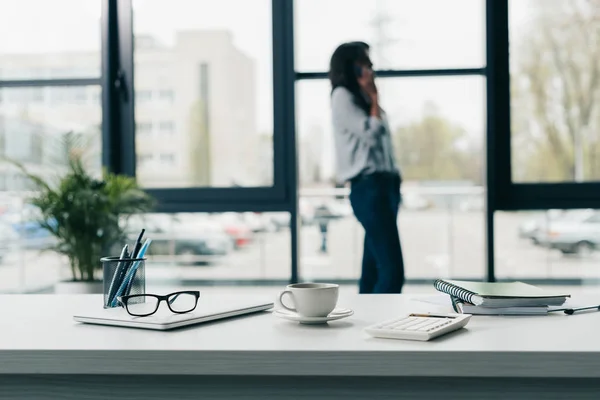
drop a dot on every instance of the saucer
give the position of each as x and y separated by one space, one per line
336 314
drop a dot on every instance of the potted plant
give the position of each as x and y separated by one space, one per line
85 215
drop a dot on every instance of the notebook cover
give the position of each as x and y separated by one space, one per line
505 289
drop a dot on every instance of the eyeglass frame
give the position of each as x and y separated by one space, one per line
124 300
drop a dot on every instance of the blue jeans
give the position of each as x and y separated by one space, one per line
375 200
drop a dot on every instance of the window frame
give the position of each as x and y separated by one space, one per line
488 274
510 195
119 129
120 71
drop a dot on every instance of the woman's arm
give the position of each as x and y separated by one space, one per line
349 117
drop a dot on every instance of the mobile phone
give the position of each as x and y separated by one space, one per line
358 70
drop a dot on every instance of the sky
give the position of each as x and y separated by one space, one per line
410 35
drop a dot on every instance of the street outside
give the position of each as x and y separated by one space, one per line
435 244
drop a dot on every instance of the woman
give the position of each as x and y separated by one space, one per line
365 159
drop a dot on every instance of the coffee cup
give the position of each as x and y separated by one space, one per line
310 299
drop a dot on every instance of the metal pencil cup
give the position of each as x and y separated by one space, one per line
122 277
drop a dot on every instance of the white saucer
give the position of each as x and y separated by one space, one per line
338 313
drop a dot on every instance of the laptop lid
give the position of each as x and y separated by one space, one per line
207 310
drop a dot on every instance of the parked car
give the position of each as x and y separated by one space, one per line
192 243
238 230
280 220
258 222
25 224
575 233
530 228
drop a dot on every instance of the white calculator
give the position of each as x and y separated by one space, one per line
421 327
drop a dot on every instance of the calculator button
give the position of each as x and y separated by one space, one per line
403 322
418 325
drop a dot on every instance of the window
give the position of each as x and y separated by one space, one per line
96 97
404 34
167 126
167 159
143 127
143 159
437 125
552 244
40 39
33 134
70 95
142 96
201 247
555 93
166 95
221 66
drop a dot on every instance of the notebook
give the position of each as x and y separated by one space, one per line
500 294
466 308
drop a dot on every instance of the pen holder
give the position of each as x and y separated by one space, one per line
122 277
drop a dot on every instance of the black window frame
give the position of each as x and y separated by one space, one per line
119 79
510 195
119 129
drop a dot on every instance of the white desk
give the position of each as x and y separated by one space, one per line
45 354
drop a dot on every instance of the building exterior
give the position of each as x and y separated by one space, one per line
195 110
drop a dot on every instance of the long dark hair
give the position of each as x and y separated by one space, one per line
342 69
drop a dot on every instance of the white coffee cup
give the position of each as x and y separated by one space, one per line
310 299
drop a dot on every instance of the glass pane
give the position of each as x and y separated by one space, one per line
554 244
203 83
33 123
42 39
192 247
438 129
403 34
555 90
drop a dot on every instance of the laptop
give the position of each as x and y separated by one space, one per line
208 309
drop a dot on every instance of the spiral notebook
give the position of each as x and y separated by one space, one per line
500 294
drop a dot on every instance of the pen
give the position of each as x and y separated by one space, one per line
138 244
134 252
125 283
456 304
114 284
571 311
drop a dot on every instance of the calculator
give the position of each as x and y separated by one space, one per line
421 327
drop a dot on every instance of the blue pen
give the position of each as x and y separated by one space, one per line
130 273
117 274
129 282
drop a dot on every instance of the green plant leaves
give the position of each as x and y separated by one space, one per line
84 213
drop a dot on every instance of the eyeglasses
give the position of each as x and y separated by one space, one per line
144 305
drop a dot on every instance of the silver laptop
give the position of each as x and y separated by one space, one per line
208 309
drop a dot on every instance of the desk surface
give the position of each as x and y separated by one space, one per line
40 336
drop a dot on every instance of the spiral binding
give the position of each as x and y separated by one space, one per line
453 290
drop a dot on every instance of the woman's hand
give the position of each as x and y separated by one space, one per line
367 83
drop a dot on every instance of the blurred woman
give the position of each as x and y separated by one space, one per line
365 159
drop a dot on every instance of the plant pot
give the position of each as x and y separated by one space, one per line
78 287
